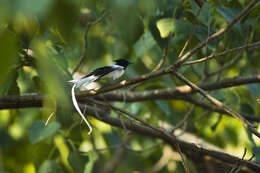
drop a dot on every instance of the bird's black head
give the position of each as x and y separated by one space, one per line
122 62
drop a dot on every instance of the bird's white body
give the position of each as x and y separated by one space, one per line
117 73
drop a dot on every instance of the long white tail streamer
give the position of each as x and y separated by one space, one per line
75 103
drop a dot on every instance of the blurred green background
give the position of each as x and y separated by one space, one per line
41 43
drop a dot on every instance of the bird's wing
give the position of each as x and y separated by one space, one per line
102 71
96 75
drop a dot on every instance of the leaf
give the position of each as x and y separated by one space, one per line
254 89
49 166
38 131
31 7
11 86
202 33
205 14
128 25
77 162
247 109
8 47
165 26
144 44
93 157
164 106
229 14
256 151
182 30
220 95
232 99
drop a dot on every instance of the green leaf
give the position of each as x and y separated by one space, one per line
220 95
31 7
38 131
11 86
8 47
202 33
127 23
50 166
254 89
93 157
256 151
205 14
164 106
144 44
232 99
229 14
77 162
165 26
247 109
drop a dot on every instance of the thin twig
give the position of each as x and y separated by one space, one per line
227 65
183 158
243 13
84 52
190 36
231 112
50 116
110 166
164 55
187 115
247 46
237 168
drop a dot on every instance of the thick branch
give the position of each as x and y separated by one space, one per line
219 104
185 146
174 93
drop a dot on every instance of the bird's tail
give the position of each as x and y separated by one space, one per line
75 103
73 81
84 81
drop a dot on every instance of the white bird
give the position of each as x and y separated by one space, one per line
113 71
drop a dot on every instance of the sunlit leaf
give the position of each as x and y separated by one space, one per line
38 131
165 26
93 157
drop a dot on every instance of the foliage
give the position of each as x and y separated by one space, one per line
42 42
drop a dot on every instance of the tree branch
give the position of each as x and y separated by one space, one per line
247 46
185 146
244 12
231 112
178 93
84 52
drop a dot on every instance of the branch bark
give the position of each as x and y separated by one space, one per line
185 146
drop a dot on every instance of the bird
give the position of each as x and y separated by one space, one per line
114 71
